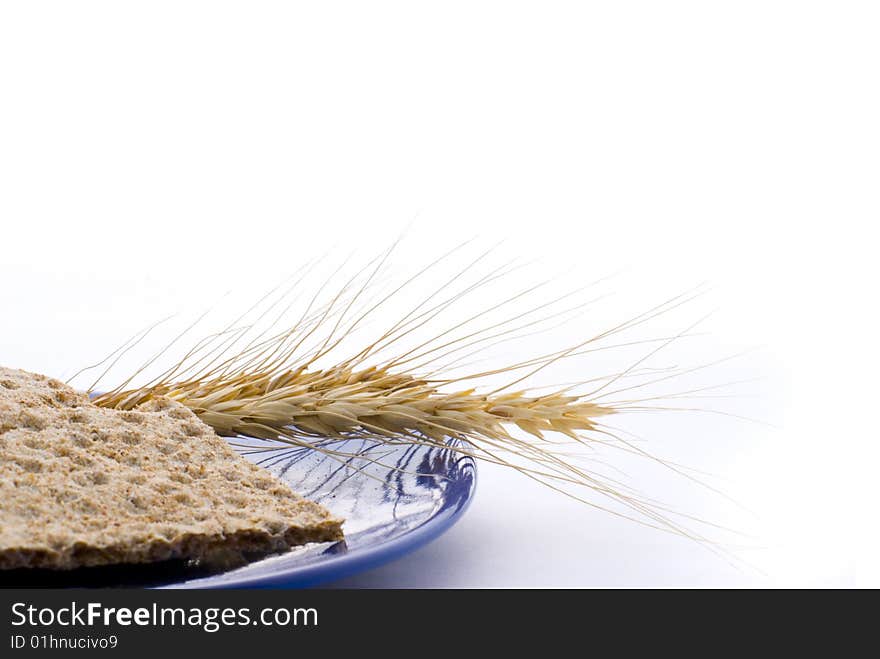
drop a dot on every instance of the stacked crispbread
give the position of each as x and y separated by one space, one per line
81 485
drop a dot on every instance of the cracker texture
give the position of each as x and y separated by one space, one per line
82 486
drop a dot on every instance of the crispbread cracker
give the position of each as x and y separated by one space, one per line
82 485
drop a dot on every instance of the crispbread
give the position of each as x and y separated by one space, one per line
82 485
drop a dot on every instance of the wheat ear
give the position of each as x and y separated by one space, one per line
272 389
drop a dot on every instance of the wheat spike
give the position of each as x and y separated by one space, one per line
341 402
272 388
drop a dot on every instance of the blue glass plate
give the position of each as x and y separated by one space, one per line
394 499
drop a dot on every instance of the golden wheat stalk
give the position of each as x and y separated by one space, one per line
272 388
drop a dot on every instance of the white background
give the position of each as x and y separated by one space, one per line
154 155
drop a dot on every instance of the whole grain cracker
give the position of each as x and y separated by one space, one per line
82 485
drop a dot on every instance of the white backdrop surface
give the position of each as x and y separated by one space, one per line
153 157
